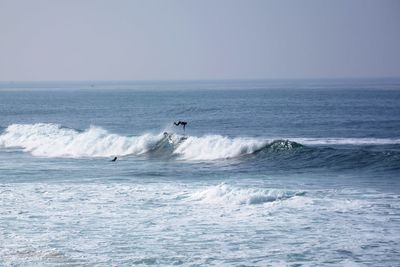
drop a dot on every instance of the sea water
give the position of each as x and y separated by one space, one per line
266 173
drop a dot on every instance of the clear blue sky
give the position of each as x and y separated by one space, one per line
205 39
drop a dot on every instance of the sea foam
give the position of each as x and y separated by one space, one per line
211 147
226 194
52 140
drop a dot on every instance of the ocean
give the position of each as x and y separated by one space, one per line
266 173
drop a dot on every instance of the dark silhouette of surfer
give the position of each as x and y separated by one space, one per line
183 123
114 159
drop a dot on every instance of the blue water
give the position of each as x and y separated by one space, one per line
299 172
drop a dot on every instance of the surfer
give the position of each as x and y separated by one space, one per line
183 123
114 159
168 136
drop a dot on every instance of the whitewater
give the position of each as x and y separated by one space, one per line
53 140
265 174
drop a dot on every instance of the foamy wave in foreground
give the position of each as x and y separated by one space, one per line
223 193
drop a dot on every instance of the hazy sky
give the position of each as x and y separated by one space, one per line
217 39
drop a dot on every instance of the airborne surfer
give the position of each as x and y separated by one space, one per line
183 123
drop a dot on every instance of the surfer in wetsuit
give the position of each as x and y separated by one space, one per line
183 123
114 159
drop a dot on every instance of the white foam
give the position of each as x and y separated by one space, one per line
51 140
211 147
225 194
70 224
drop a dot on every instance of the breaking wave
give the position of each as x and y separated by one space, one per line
53 140
213 147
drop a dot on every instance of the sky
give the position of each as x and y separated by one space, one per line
74 40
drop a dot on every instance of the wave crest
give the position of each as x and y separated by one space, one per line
213 147
53 140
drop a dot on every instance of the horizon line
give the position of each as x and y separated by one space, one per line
204 80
